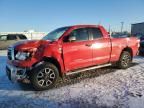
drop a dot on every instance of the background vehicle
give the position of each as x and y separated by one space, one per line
120 34
141 45
66 51
141 37
7 40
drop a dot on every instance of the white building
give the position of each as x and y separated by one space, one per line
29 35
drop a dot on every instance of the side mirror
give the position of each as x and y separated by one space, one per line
72 38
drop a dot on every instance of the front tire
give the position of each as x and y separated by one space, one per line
125 60
44 76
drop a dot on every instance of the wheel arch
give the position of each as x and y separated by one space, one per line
127 49
53 61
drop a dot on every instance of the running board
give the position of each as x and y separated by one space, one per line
89 68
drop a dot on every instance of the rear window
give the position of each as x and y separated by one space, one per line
22 37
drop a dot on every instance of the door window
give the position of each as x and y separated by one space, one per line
80 34
96 32
11 37
3 38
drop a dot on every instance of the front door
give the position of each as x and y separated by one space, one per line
77 54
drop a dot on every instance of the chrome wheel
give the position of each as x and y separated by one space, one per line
46 77
126 60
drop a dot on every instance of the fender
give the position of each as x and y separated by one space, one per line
54 52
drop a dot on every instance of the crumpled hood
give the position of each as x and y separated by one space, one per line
26 45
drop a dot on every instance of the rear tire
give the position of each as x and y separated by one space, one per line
44 76
125 60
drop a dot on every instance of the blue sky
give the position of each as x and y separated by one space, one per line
46 15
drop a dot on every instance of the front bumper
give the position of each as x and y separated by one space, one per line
15 73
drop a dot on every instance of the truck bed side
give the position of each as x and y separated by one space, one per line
120 44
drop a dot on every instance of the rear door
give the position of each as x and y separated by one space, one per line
101 47
77 54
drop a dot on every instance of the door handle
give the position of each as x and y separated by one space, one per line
88 45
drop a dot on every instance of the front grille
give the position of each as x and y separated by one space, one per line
10 53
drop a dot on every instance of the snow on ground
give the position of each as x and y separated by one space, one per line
106 88
2 62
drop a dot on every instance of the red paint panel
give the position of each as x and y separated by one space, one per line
101 51
77 55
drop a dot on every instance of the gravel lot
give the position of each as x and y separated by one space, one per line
102 88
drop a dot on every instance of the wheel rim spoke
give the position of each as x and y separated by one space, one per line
48 82
47 70
41 82
52 76
40 75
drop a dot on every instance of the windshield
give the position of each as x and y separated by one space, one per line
54 35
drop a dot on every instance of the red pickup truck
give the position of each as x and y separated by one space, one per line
65 51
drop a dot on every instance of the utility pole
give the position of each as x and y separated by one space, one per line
122 23
109 28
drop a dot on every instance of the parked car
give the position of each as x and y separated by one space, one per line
7 40
67 51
